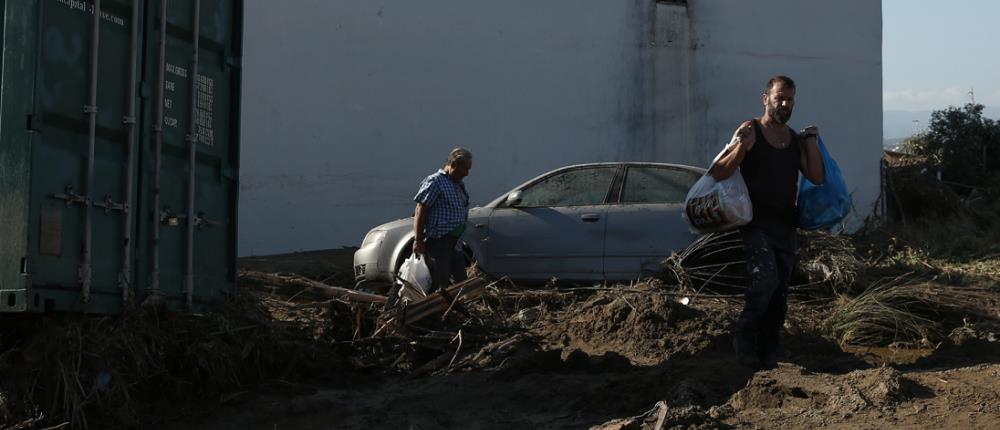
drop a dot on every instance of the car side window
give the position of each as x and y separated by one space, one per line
577 187
650 184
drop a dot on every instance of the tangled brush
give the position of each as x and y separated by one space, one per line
716 264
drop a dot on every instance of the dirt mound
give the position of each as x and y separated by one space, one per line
647 325
794 387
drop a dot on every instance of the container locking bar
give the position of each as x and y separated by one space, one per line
108 204
153 290
72 198
125 281
192 140
91 110
200 221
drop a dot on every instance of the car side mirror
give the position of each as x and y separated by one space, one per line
514 199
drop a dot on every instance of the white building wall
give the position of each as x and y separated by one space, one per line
348 104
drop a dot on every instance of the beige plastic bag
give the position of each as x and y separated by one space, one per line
714 206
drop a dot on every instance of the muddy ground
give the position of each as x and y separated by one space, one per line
650 355
635 357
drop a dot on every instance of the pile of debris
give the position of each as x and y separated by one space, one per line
478 325
827 263
152 364
414 333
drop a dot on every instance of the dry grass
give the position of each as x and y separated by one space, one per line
902 313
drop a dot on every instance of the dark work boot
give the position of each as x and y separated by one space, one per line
745 351
769 351
769 360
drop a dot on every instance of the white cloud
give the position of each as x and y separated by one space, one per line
932 99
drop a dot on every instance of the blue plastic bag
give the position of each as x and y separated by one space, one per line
823 206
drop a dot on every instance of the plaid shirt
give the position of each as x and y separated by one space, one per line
447 201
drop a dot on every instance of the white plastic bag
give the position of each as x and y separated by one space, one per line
714 206
415 272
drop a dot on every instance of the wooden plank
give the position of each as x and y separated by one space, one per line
311 286
661 416
438 303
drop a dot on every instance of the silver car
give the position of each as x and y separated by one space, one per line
587 222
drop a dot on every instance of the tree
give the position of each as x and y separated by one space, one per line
962 144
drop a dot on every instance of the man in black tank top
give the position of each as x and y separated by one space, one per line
769 155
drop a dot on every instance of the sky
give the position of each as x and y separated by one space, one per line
934 52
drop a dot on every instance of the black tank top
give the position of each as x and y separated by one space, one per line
772 176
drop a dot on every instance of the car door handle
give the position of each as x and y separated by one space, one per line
590 217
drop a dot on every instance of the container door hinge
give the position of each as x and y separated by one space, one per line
126 286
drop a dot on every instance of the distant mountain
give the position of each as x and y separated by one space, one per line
899 123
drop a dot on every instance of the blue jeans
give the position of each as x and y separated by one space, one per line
770 262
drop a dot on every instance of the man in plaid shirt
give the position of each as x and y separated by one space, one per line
439 219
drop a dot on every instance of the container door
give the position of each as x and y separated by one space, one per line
79 180
188 250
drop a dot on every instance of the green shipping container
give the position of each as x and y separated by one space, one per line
119 153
